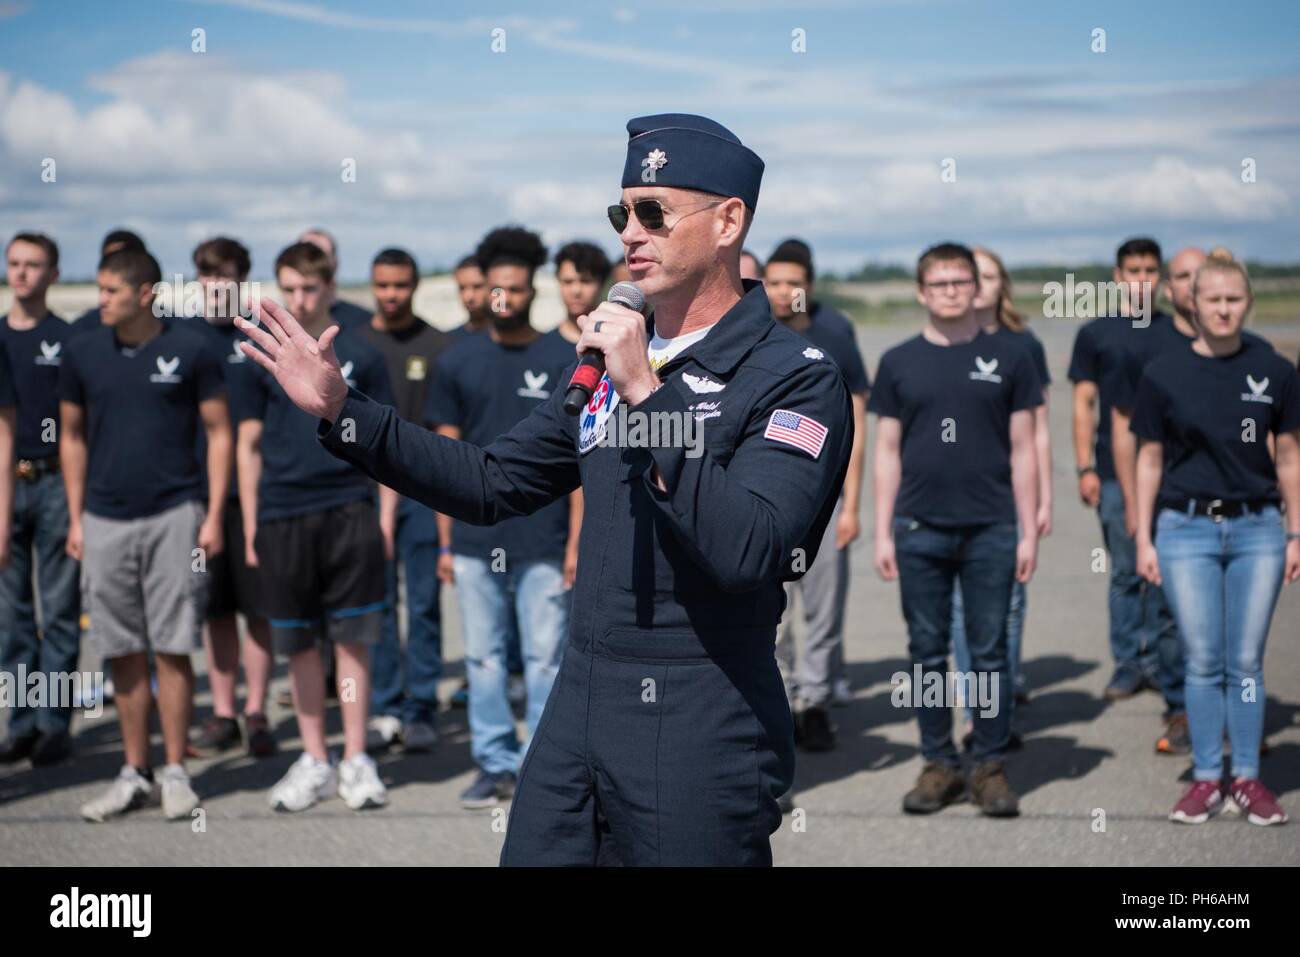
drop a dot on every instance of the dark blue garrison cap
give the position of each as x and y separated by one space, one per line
691 152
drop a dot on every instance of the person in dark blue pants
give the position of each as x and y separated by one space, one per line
667 738
404 682
955 474
32 338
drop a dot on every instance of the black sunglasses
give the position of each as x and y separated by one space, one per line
649 213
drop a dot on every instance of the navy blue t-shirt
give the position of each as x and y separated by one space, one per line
485 389
34 358
223 340
1148 344
1036 351
832 332
955 405
347 314
142 412
88 321
1213 416
298 476
7 394
1100 356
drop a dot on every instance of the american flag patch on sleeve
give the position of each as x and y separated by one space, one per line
797 430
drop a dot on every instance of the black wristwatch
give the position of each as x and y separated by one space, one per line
1084 470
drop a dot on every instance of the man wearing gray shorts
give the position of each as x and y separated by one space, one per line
132 396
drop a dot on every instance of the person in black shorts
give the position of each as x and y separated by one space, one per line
310 525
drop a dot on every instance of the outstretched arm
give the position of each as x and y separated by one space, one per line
528 467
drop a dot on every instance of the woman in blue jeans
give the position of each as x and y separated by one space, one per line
1210 490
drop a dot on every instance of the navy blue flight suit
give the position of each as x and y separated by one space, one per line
667 737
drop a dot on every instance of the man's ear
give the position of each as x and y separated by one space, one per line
733 221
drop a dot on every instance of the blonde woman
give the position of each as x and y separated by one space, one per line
1210 530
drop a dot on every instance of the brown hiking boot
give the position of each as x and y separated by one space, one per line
991 791
936 788
1177 739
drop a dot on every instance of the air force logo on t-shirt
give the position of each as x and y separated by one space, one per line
236 353
345 370
167 370
595 415
50 354
985 370
533 382
1256 393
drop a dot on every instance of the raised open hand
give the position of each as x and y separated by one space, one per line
306 368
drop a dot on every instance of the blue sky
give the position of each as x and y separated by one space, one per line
1060 152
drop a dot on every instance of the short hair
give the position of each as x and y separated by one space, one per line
39 239
794 251
587 258
222 251
750 253
136 266
306 258
123 238
511 246
1138 246
318 231
397 257
946 252
468 262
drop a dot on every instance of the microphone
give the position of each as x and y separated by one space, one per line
592 364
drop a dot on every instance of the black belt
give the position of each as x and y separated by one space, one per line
1218 509
29 470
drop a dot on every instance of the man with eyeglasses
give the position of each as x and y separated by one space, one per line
667 738
955 467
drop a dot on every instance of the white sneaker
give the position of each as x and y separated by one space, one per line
841 693
129 790
383 732
178 798
419 736
359 784
309 780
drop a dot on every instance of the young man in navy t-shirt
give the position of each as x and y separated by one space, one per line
483 387
404 694
342 312
955 472
132 397
113 241
788 278
1143 635
311 527
34 339
221 265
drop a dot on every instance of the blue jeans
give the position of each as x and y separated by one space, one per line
534 592
40 532
1143 632
406 685
1015 631
1223 579
930 561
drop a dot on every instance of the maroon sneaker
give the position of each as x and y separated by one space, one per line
1251 798
1202 800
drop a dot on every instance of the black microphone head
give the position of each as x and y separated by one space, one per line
627 294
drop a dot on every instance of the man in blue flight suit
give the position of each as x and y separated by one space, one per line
667 737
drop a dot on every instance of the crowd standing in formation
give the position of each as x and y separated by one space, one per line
156 480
